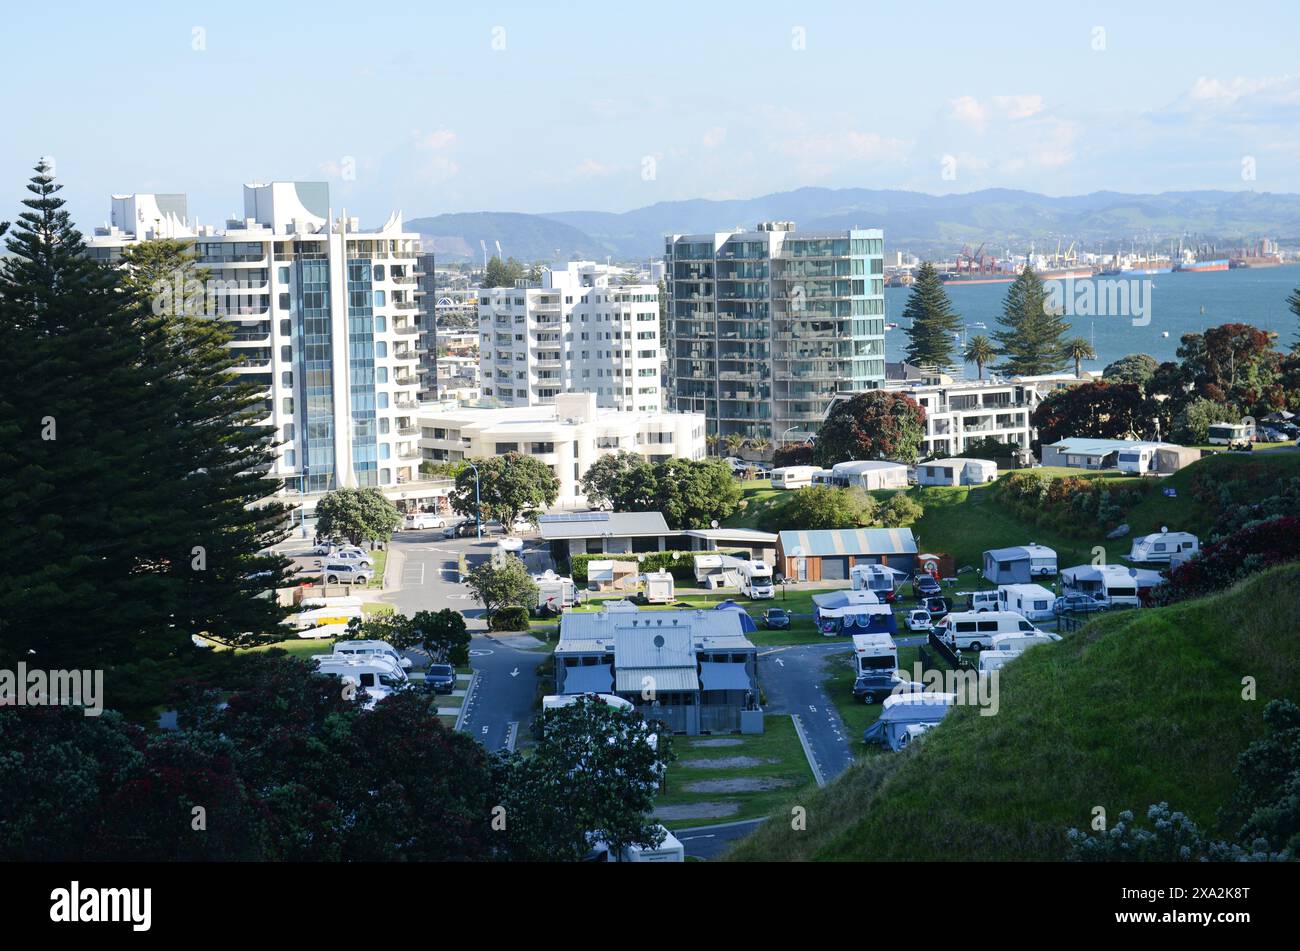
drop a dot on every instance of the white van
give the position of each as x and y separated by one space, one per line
418 521
984 601
794 477
1021 642
974 630
371 648
1031 600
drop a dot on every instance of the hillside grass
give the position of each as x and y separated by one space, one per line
1136 708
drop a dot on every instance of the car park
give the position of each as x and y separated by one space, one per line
937 607
776 619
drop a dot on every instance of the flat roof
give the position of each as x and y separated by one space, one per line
597 524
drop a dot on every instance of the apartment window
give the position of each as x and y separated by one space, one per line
540 448
286 405
291 459
284 302
505 447
284 276
381 374
380 298
379 272
286 378
381 348
286 354
385 451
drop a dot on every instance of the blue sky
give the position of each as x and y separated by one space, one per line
431 107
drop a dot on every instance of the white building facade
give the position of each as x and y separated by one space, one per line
568 435
326 318
960 413
581 331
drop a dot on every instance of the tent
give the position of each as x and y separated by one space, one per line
853 612
746 622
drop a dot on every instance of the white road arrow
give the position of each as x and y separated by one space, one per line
515 672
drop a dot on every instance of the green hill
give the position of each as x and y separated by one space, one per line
1138 707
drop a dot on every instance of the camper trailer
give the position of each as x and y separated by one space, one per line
1019 565
879 579
669 850
659 588
1163 546
554 593
756 580
905 716
1021 642
972 630
996 660
1031 600
794 477
325 617
714 571
366 649
852 612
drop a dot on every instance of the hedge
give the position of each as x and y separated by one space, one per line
513 618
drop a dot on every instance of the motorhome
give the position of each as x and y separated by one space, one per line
905 716
1225 434
1031 600
714 571
1164 546
1114 585
668 850
756 580
975 630
510 545
376 676
659 588
555 593
372 648
880 579
1020 642
794 477
875 657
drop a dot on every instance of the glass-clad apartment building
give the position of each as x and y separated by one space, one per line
766 326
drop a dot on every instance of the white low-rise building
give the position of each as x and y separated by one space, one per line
956 472
960 413
568 435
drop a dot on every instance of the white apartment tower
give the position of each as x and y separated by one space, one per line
326 318
581 331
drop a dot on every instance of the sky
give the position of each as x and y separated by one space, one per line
430 107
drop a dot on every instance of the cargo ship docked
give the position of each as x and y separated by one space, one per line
1201 260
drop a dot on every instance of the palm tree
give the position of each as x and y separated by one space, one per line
711 441
980 351
734 442
1079 350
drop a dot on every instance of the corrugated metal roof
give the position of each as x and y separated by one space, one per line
653 647
617 524
849 541
657 679
746 534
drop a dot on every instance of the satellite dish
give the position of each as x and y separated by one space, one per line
659 640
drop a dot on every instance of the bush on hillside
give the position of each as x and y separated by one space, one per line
1071 505
1226 561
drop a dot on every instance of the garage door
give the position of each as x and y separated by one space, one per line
835 569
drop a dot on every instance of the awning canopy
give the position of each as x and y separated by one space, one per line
720 676
594 679
657 679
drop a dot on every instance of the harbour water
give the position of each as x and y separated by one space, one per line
1178 304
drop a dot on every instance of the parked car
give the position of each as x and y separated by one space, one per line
925 586
1267 434
1078 604
354 555
346 572
775 619
440 678
919 620
467 529
322 550
938 608
417 521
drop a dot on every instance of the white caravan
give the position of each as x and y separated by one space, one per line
1021 642
975 630
996 660
876 578
554 593
874 653
756 580
659 587
1164 546
371 649
1031 600
794 477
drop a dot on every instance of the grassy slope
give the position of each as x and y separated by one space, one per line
1139 707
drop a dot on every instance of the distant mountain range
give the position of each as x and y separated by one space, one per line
928 225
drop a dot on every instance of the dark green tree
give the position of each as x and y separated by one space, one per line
357 514
1136 368
1031 341
502 583
502 273
935 327
132 478
873 425
601 480
509 486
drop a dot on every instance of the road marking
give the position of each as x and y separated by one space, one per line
515 672
812 708
512 732
780 662
481 652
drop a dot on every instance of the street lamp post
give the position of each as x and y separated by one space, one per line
478 507
787 433
302 501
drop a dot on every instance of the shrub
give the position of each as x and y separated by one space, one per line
513 618
680 563
1226 561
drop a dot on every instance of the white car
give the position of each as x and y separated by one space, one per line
353 555
919 620
417 521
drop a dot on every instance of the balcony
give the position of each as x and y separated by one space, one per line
406 330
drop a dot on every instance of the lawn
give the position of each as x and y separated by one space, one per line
775 759
757 497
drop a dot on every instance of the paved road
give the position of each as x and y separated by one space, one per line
707 842
792 679
426 568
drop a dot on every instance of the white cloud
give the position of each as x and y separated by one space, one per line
967 109
1018 107
436 141
714 137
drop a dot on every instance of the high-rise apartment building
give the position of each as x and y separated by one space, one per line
581 331
326 318
766 326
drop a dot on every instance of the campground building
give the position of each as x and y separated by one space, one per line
699 668
830 554
956 472
1128 455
